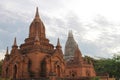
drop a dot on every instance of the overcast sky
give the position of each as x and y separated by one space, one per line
95 23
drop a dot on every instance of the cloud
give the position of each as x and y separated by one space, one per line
107 36
97 35
2 53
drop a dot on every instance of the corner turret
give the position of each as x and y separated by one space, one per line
15 44
58 44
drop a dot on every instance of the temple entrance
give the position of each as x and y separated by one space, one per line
73 75
7 72
15 72
87 73
43 69
58 70
31 74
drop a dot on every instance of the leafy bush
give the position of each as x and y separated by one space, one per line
95 78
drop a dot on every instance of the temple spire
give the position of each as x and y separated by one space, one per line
15 43
70 46
37 25
37 13
70 34
37 18
7 53
58 44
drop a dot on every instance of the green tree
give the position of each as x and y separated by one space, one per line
95 78
116 60
108 65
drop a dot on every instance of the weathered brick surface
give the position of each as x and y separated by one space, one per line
36 58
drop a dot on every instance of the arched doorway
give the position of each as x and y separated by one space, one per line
43 69
31 74
73 75
15 72
7 72
88 73
58 71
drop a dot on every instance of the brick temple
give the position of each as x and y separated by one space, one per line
38 58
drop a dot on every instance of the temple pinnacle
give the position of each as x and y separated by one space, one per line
15 43
7 52
70 34
58 44
37 13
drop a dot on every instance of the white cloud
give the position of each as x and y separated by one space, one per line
95 24
92 35
2 54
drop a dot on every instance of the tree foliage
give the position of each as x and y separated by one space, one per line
108 65
95 78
